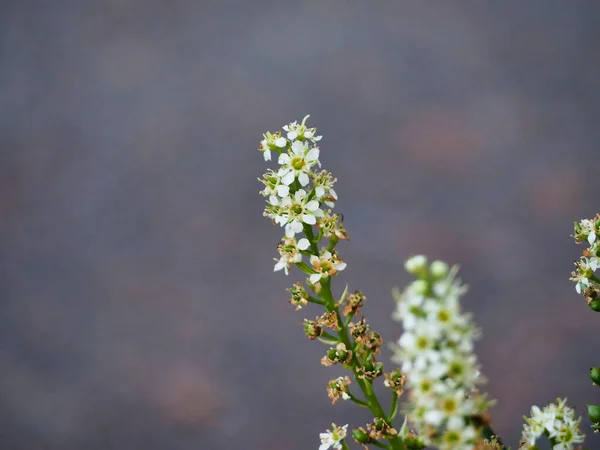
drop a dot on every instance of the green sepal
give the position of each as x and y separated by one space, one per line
595 375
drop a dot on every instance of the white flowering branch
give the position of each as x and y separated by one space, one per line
435 351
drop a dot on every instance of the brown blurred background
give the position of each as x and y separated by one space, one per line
138 304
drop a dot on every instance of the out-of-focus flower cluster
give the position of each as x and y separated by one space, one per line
436 354
586 282
557 421
298 195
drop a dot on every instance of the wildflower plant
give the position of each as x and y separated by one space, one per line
437 365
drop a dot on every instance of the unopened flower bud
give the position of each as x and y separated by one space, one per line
595 375
416 265
439 269
420 287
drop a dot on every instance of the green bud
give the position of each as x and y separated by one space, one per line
416 265
360 436
594 413
595 305
595 375
439 269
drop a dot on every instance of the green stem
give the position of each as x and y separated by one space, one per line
358 401
365 385
376 443
311 299
393 407
311 238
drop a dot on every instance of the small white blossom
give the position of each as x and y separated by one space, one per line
325 265
289 251
333 438
297 163
274 189
415 264
271 142
298 210
301 132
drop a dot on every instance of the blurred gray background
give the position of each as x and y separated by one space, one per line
138 304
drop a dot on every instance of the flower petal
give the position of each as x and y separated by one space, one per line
288 178
303 178
340 266
313 154
315 277
312 205
309 219
303 244
283 190
298 148
284 158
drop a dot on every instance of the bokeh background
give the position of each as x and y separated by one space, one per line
138 307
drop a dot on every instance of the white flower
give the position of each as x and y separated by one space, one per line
323 182
333 439
301 132
274 189
299 210
289 251
415 264
327 264
271 142
297 163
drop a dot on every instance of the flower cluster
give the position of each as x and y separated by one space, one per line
436 354
333 438
557 422
299 196
586 282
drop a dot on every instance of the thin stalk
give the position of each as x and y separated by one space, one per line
365 385
393 407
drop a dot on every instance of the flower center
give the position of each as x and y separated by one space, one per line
422 342
449 405
298 163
